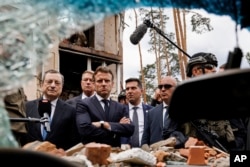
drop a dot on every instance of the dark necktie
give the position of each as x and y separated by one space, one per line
135 136
166 121
106 108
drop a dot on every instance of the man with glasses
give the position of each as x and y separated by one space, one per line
157 117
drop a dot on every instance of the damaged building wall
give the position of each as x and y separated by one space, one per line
104 48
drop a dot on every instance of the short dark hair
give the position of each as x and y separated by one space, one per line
134 80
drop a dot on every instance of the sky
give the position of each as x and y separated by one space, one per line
220 42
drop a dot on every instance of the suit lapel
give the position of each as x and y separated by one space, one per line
98 106
145 114
160 114
145 109
36 115
127 110
112 109
58 113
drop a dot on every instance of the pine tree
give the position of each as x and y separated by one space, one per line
167 61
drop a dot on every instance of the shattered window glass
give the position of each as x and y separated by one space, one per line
27 28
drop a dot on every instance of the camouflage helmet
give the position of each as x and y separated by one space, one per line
200 58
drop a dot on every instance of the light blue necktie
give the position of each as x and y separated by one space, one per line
44 132
44 135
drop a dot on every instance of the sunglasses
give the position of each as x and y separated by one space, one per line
207 66
166 86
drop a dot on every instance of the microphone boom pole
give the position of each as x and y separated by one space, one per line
24 119
151 25
44 120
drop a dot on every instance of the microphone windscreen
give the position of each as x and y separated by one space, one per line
138 34
44 106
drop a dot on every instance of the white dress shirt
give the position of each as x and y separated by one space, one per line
53 106
164 111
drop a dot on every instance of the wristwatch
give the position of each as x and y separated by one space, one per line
102 124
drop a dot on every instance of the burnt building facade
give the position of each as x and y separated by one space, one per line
100 45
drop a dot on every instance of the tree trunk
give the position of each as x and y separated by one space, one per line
181 43
141 65
184 37
157 57
164 45
179 38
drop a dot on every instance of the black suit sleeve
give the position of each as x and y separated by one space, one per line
174 130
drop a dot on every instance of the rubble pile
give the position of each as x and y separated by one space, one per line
159 154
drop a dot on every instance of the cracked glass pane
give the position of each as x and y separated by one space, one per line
27 28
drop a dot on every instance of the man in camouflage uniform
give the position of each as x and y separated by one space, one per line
228 134
15 106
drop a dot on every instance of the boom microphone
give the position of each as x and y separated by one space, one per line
44 109
138 34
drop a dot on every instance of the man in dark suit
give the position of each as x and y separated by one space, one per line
87 85
99 118
63 132
134 92
157 117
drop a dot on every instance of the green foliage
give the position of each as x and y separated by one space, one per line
161 46
164 50
150 80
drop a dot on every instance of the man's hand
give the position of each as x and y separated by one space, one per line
157 95
97 124
106 125
125 120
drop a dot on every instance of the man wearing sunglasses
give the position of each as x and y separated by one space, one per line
157 118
